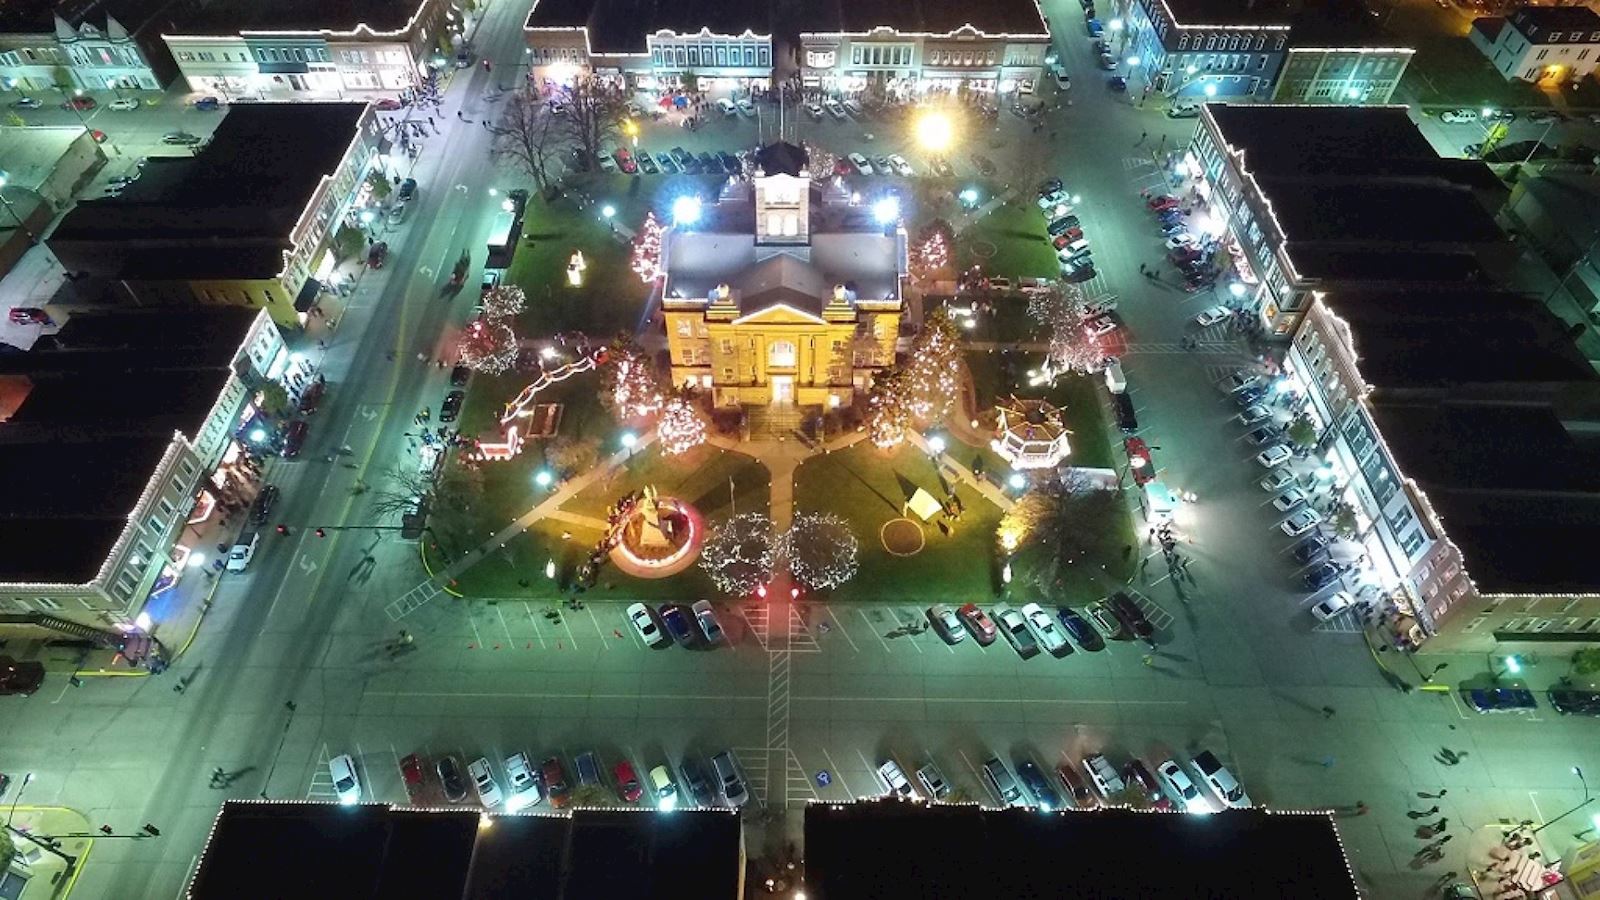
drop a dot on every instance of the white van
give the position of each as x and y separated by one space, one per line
1116 382
727 107
243 551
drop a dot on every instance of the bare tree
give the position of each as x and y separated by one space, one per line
594 116
531 137
451 497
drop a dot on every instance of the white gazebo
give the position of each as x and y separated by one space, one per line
1030 434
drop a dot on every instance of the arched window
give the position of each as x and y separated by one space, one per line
780 355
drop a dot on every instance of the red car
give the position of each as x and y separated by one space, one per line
28 315
1067 237
1184 254
627 782
312 397
554 776
412 772
1164 201
294 438
625 161
80 103
977 622
1139 450
387 104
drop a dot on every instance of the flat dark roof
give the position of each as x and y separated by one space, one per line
1336 23
894 849
373 850
620 26
1407 339
191 17
91 409
1282 139
229 212
1579 18
1230 12
1386 263
1518 491
1379 211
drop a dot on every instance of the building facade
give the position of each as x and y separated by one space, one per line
262 56
888 62
665 47
100 48
1353 75
1172 51
785 297
1548 44
191 468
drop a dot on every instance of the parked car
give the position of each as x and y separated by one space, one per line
554 775
521 782
1322 576
387 104
998 777
676 622
628 787
1183 111
1099 326
727 770
261 507
1499 700
933 781
451 781
1044 796
413 773
1333 606
1211 315
451 407
1302 521
900 166
1015 628
488 282
1130 615
645 625
1080 629
861 163
895 780
668 165
977 623
346 783
730 163
1180 787
647 165
82 103
588 766
483 782
459 376
180 138
697 782
945 621
27 103
662 788
1255 414
1077 789
706 617
1574 701
1139 777
1459 115
1105 777
124 104
294 438
1051 638
1221 781
1310 550
1276 455
1289 499
814 110
206 104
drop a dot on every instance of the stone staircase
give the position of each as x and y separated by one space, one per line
774 421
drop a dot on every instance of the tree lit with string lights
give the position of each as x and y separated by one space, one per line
740 553
488 346
503 301
933 369
930 253
1072 349
822 550
630 387
681 427
888 415
647 249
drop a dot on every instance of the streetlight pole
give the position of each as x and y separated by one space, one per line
1587 799
27 777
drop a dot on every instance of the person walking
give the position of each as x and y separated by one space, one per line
1327 712
1427 796
1423 814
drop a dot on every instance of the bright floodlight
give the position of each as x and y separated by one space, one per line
608 211
969 196
507 205
1116 24
936 444
1017 480
1133 61
196 560
629 439
258 434
1211 90
1236 289
542 478
934 131
686 210
886 210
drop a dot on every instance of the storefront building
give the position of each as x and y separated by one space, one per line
666 48
894 62
271 52
1347 75
91 544
43 52
1188 53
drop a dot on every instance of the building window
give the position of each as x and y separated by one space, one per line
694 56
684 327
726 345
781 355
47 603
763 57
1543 54
1555 37
1411 541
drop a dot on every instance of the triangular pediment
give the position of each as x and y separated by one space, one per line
780 314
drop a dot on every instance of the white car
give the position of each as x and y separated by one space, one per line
1217 777
1277 480
1254 413
860 162
483 781
1458 115
1100 325
645 624
900 166
1303 520
346 783
814 110
1181 787
834 109
1276 455
1054 198
1289 499
663 788
1241 380
1183 111
523 784
746 107
896 780
1212 315
1333 606
1181 239
1050 637
125 103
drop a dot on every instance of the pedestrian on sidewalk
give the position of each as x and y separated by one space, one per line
1427 796
1327 712
1443 880
1432 810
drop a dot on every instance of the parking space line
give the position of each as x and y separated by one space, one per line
532 620
477 638
570 636
839 772
868 765
978 776
597 629
839 624
511 642
874 630
906 628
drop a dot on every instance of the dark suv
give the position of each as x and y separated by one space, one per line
262 507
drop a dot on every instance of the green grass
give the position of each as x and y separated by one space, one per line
1021 247
1006 321
866 487
700 476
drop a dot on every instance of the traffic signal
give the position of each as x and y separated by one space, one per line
322 532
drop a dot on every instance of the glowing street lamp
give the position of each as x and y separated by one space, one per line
886 211
629 440
1116 24
1236 289
934 131
1133 62
936 444
507 205
1210 90
257 435
1018 481
686 210
543 478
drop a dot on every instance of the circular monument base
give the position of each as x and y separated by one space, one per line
644 552
902 537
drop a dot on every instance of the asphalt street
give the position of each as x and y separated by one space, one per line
1242 669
